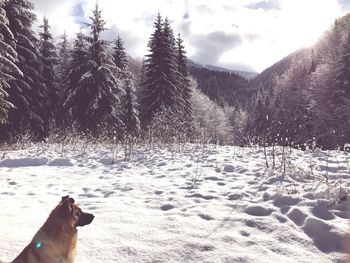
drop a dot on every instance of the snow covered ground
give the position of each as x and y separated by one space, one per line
219 204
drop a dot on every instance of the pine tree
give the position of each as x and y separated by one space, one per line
119 55
342 79
342 92
130 113
78 65
8 68
27 93
213 89
49 59
130 116
63 63
182 64
161 87
97 92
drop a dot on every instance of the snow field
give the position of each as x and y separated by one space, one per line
216 205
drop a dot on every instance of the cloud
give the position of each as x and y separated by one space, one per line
78 13
243 33
133 43
345 4
266 5
209 48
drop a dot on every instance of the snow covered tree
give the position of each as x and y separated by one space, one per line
162 86
211 124
8 68
119 55
182 63
342 80
130 112
64 60
342 91
49 59
94 101
28 92
77 67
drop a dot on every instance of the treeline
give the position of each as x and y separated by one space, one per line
86 86
307 96
226 88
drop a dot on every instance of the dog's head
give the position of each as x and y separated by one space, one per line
71 213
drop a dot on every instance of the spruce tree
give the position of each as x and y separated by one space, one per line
182 63
213 89
49 59
63 63
342 79
342 92
97 92
78 65
27 93
8 68
130 113
119 55
161 87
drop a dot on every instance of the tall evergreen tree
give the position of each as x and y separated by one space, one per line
182 63
8 68
213 89
27 93
64 60
49 58
78 65
130 112
98 90
119 55
342 79
161 87
342 91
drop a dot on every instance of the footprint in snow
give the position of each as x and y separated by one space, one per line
167 207
206 197
213 178
205 217
258 211
229 168
161 164
297 216
322 212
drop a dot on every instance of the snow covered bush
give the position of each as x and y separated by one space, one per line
167 127
210 120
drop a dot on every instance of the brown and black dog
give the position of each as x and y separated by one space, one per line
56 240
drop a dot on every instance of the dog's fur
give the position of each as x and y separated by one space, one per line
56 240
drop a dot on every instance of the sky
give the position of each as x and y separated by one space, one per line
247 35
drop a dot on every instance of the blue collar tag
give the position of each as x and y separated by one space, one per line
38 245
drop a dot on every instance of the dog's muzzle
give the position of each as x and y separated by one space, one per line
85 219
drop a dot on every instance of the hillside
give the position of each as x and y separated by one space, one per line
306 95
232 87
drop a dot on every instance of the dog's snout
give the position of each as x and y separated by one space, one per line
85 219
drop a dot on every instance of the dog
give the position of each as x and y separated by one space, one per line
56 240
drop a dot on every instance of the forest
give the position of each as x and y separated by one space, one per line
89 86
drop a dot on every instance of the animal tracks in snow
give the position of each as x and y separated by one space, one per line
219 204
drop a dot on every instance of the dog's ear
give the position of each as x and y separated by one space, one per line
67 197
64 198
67 206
